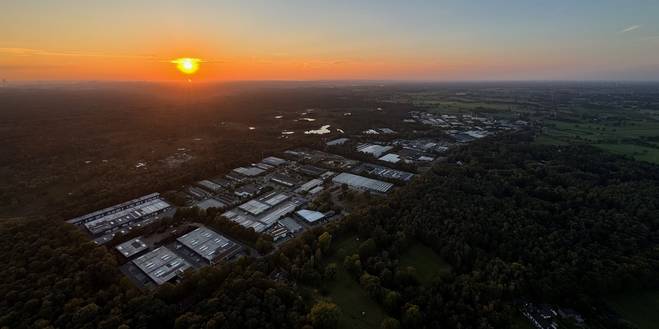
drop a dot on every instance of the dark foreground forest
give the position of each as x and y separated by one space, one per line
559 224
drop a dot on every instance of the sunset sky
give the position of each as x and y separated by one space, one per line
310 40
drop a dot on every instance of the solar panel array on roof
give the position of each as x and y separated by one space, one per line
161 265
206 243
362 182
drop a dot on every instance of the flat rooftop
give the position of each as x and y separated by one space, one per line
274 161
131 247
127 215
249 171
206 243
310 216
211 203
161 265
254 207
117 207
361 182
373 149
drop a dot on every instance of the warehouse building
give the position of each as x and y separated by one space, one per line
384 172
161 265
338 141
278 205
274 161
210 186
211 203
373 149
208 245
309 185
132 247
310 216
249 171
362 183
111 219
284 180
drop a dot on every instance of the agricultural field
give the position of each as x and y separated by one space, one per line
427 264
639 308
636 139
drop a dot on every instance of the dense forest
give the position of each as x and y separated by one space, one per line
560 224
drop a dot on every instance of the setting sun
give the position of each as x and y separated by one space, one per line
187 65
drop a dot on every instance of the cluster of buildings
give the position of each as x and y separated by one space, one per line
464 128
151 265
274 196
166 263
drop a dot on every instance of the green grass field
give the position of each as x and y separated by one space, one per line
640 308
614 139
346 292
427 263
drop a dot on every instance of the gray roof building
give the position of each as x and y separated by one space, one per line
161 265
131 247
362 183
207 244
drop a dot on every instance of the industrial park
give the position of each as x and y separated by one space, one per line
276 196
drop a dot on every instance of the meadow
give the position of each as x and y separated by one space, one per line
635 139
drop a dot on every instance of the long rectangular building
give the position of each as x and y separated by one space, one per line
362 183
109 219
161 265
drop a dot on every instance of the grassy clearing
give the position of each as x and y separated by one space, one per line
427 263
346 292
639 308
636 151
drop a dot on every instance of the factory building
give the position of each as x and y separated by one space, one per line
161 265
310 216
362 183
373 149
274 161
111 219
209 245
383 172
260 214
